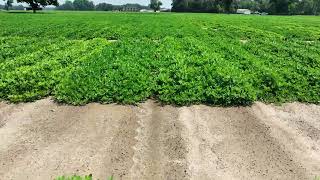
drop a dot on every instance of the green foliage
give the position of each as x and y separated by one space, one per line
155 5
83 5
8 4
310 7
68 5
36 4
75 177
178 59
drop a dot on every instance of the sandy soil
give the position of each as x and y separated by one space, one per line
42 140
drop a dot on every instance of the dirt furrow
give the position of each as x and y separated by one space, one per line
42 140
160 151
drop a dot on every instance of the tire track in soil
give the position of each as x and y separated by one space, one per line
160 150
122 151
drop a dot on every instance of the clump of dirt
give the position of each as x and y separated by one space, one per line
244 41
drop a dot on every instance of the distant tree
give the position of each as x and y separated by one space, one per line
155 5
117 7
36 4
264 5
83 5
68 5
178 5
295 7
8 4
307 7
104 7
316 7
19 7
227 5
279 6
203 5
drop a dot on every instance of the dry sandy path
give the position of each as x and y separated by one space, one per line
42 140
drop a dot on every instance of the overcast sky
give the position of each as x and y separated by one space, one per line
166 3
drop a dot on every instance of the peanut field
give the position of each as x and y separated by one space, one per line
181 59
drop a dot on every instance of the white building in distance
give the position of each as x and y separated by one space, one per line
243 11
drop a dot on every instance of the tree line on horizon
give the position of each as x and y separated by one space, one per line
277 7
86 5
79 5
